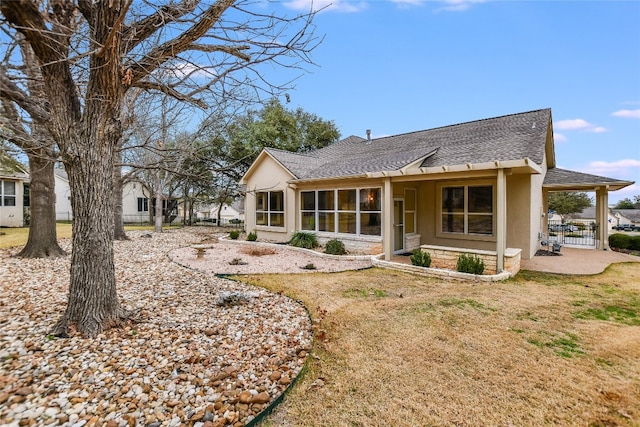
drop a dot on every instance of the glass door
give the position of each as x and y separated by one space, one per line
398 226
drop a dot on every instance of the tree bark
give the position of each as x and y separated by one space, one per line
43 238
93 303
158 209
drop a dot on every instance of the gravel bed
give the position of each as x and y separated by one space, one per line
205 352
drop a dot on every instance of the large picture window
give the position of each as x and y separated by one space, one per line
467 209
345 211
270 208
7 193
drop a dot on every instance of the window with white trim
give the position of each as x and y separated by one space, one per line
467 209
270 208
143 204
345 211
7 193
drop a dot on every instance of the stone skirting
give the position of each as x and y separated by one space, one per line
411 242
447 258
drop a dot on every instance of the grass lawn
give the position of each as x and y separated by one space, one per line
392 349
18 236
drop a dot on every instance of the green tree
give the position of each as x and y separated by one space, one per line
566 204
627 203
276 127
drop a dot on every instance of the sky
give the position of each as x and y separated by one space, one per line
399 66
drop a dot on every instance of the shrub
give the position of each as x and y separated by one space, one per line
234 234
420 258
310 266
304 240
470 264
634 243
620 241
252 237
335 247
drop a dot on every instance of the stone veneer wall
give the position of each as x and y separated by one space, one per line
447 258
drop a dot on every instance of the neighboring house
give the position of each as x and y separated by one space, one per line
63 195
14 184
480 186
626 216
588 217
228 214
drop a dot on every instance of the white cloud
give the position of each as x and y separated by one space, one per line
459 5
558 137
621 168
629 114
578 124
326 5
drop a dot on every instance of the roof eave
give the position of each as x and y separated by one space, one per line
591 186
525 165
254 165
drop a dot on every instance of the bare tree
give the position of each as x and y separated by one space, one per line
208 45
32 137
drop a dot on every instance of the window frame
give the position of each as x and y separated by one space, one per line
143 204
268 211
465 235
4 196
336 211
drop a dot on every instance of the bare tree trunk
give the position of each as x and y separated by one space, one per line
218 214
158 210
93 303
43 238
118 220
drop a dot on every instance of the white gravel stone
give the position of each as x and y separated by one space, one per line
175 359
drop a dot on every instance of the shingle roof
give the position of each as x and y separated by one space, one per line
511 137
564 177
632 214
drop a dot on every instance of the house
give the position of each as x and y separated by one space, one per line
14 192
588 217
229 213
626 216
479 187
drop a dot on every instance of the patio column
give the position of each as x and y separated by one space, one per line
602 217
501 219
387 219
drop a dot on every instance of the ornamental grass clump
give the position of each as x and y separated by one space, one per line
420 258
335 247
304 240
252 237
470 264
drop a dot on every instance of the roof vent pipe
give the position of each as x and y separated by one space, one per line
369 135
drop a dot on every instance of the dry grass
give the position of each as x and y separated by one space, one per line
394 349
257 251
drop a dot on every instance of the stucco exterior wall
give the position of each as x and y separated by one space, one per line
270 176
13 216
130 193
521 214
63 199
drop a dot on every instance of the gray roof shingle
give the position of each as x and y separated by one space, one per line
557 176
511 137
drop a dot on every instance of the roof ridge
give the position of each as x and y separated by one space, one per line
463 123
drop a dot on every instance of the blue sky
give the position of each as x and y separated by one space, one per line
406 65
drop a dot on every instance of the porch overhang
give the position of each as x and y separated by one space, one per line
593 186
515 166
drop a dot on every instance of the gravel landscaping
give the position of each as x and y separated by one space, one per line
204 351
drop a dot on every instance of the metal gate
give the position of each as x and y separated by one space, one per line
575 234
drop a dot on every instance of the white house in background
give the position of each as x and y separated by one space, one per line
228 214
63 195
626 216
13 181
588 217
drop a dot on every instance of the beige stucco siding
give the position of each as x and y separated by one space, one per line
270 176
520 214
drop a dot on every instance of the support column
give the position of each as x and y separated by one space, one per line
501 219
387 219
602 217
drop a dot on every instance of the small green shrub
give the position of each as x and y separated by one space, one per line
252 237
304 240
335 247
420 258
470 264
634 243
310 266
234 234
620 241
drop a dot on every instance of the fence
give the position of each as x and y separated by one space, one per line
573 233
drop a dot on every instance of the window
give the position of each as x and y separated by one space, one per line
348 211
143 204
409 210
26 196
467 209
270 208
7 193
